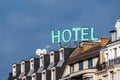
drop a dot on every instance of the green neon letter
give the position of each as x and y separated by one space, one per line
92 35
55 36
69 36
83 33
76 33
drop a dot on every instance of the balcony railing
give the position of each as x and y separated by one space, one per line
113 61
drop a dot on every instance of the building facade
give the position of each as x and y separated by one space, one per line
83 62
46 67
92 60
109 68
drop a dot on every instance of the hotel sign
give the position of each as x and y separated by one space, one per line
85 33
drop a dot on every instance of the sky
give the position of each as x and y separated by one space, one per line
25 25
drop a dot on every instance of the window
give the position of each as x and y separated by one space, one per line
71 68
31 64
22 67
44 75
111 75
115 52
61 54
81 65
118 76
105 78
88 78
90 63
53 74
41 60
51 57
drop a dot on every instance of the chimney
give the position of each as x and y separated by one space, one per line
104 40
113 35
88 45
117 26
76 51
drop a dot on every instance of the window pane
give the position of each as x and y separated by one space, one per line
118 74
90 63
81 65
72 68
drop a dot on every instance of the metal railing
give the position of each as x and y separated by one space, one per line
113 61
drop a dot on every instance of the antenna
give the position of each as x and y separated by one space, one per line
75 43
38 52
44 51
47 48
59 45
41 52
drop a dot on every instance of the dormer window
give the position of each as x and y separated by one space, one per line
14 70
14 66
51 54
24 78
53 70
43 73
41 60
53 73
22 67
52 57
31 60
33 76
61 54
61 50
32 64
23 63
41 57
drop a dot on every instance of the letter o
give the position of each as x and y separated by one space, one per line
69 36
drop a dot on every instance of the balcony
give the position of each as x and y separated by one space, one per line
102 66
84 71
113 62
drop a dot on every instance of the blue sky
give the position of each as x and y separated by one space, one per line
26 25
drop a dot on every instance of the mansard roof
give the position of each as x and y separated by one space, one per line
90 53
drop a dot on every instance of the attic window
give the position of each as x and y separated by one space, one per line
53 70
23 63
31 60
43 73
33 75
61 50
14 66
51 54
24 79
41 57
